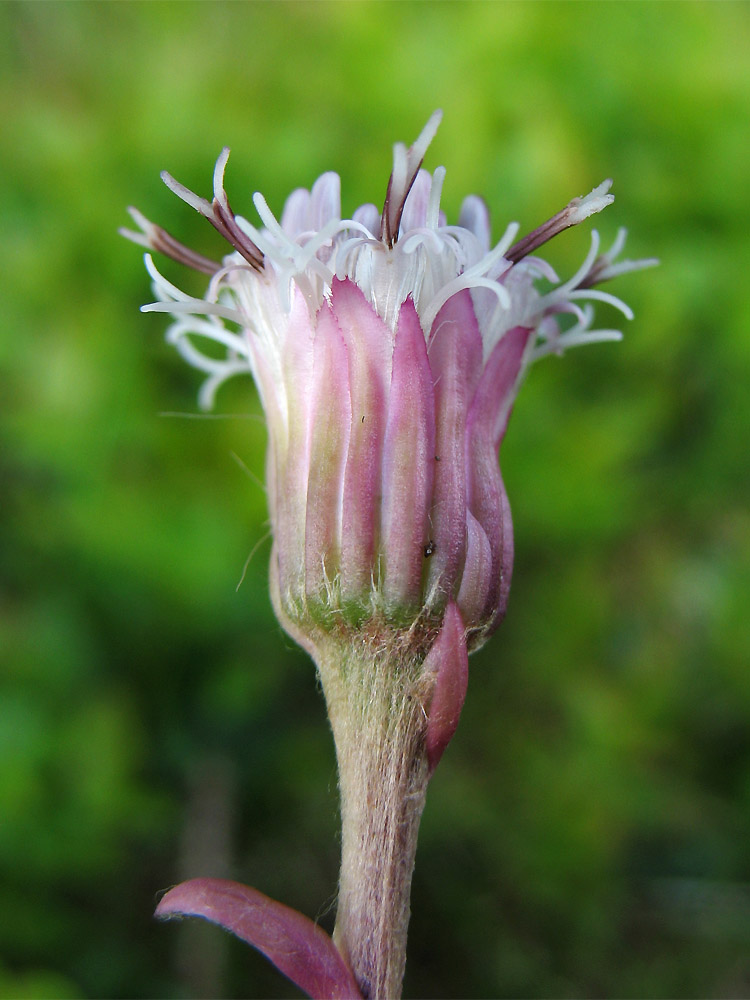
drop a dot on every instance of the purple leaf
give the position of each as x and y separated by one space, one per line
298 948
485 426
455 353
370 351
329 430
408 466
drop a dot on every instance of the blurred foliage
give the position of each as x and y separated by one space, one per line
588 833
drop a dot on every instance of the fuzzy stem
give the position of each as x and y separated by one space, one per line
375 703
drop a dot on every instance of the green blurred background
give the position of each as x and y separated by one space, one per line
588 833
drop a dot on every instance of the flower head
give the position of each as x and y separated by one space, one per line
387 349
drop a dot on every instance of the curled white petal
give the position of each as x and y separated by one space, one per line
197 307
595 293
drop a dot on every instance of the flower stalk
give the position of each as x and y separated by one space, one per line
388 350
378 721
